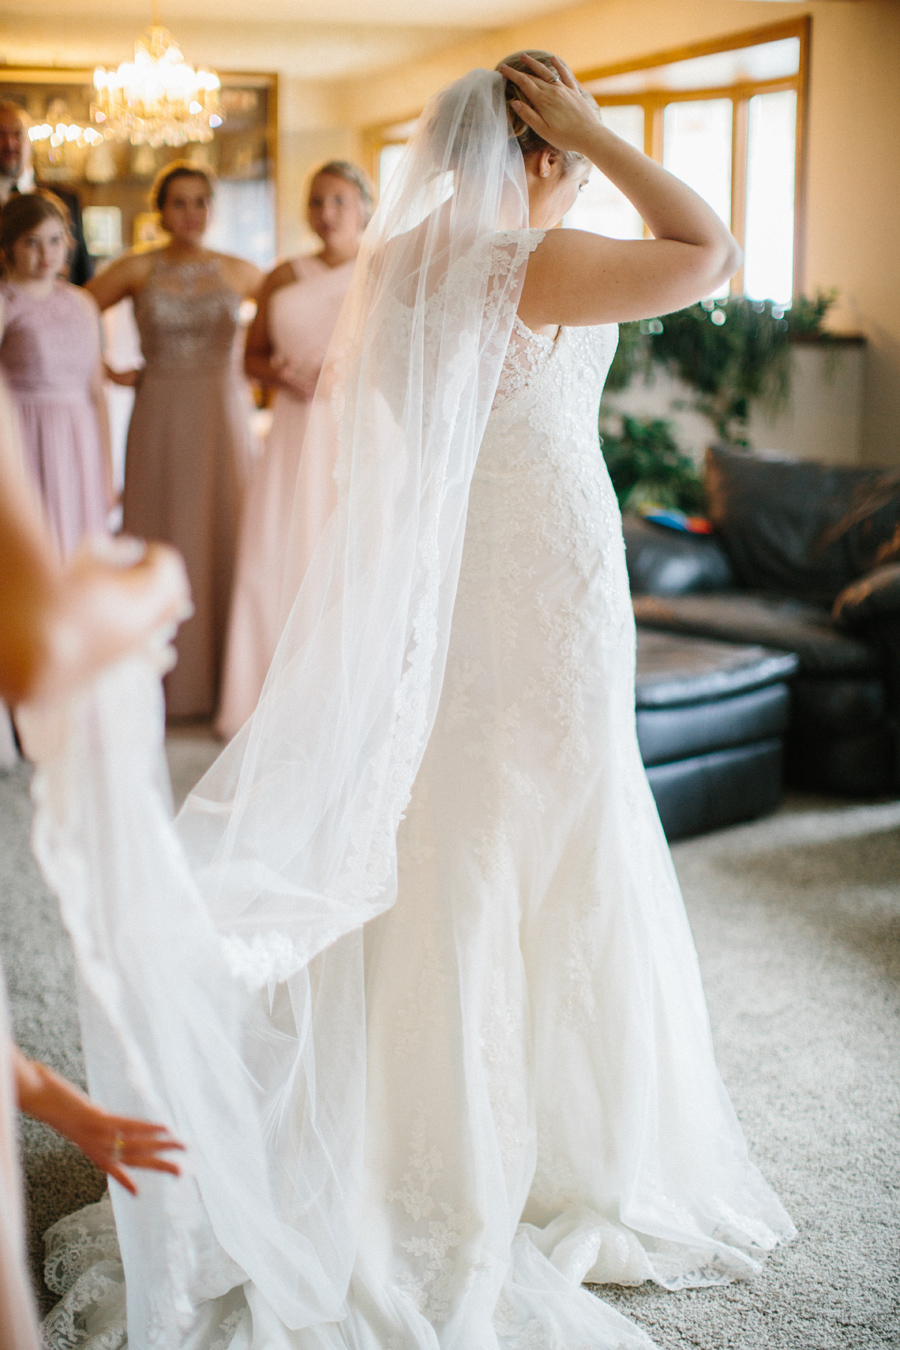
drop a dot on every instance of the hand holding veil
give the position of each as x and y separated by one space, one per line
220 957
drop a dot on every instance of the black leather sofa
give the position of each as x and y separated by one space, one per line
805 559
710 722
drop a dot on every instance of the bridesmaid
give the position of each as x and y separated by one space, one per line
50 356
188 440
286 347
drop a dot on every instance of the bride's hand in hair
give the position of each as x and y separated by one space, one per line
556 109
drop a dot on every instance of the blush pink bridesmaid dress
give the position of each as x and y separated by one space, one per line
49 354
186 457
302 316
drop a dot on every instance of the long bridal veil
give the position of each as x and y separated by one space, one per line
220 954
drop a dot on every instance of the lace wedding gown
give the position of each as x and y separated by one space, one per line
542 1103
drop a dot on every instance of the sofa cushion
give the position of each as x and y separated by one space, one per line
799 528
694 729
669 562
789 625
707 792
860 765
673 671
835 707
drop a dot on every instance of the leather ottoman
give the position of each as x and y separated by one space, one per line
710 721
839 737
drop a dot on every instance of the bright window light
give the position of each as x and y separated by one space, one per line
769 232
600 207
387 163
697 149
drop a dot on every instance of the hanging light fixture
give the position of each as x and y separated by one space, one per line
157 99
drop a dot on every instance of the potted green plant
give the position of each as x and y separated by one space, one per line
649 470
729 352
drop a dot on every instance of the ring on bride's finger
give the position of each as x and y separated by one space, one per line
553 76
118 1147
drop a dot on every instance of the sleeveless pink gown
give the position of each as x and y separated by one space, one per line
49 355
302 316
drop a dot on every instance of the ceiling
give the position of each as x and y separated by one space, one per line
434 14
313 39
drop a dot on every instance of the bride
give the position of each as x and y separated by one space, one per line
411 973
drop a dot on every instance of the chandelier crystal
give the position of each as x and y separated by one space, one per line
157 99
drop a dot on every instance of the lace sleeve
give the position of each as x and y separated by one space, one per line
513 248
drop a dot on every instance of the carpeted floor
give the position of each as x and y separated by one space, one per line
797 919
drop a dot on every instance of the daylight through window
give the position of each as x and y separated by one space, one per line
726 122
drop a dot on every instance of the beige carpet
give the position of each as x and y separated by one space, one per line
797 919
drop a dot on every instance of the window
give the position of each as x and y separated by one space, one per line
600 206
729 122
769 219
385 146
727 117
388 159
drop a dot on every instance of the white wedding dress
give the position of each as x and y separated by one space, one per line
542 1105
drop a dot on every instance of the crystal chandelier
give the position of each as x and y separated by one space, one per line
157 99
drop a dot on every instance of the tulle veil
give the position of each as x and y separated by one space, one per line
220 954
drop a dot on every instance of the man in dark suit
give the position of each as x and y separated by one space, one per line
17 175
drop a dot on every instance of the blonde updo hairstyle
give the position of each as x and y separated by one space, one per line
356 177
530 143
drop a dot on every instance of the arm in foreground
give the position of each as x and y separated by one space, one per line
111 1142
62 624
576 278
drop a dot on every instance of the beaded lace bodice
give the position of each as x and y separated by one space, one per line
550 387
541 477
187 316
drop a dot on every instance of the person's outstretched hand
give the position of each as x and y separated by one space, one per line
61 624
111 1142
116 596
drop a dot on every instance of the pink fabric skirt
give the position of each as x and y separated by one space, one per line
61 443
256 609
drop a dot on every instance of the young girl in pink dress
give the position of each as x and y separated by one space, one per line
286 347
50 356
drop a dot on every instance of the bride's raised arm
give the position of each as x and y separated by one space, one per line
576 278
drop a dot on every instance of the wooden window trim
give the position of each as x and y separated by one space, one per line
745 90
654 101
750 37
